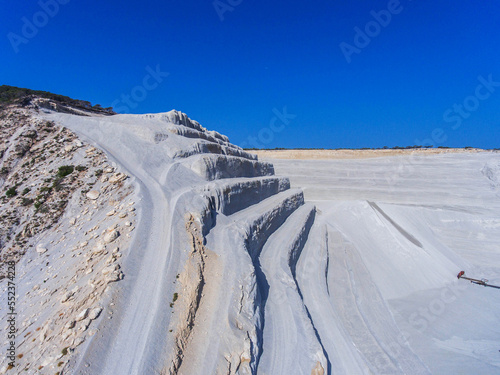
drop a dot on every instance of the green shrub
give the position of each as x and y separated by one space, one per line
43 209
26 201
26 191
65 170
98 172
174 299
80 168
11 192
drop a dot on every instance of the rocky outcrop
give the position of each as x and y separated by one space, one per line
51 229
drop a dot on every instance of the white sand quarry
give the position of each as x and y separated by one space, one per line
349 269
378 272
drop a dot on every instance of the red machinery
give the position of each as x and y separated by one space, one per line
482 282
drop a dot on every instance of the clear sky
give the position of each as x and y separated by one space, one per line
271 74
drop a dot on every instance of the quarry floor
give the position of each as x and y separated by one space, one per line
399 228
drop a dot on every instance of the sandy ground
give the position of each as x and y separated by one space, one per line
358 279
354 154
378 271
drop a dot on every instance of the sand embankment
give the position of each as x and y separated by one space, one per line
355 153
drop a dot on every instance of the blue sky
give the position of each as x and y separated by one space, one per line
273 74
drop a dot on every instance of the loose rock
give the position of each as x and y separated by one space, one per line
110 269
40 249
82 315
94 313
78 341
111 235
117 177
93 194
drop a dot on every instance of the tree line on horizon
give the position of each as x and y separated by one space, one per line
361 148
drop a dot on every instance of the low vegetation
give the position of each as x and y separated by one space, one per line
65 170
9 94
11 192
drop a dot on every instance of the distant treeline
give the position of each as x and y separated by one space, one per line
9 94
362 148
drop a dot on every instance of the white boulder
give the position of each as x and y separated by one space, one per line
93 194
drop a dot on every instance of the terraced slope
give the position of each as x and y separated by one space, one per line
196 292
